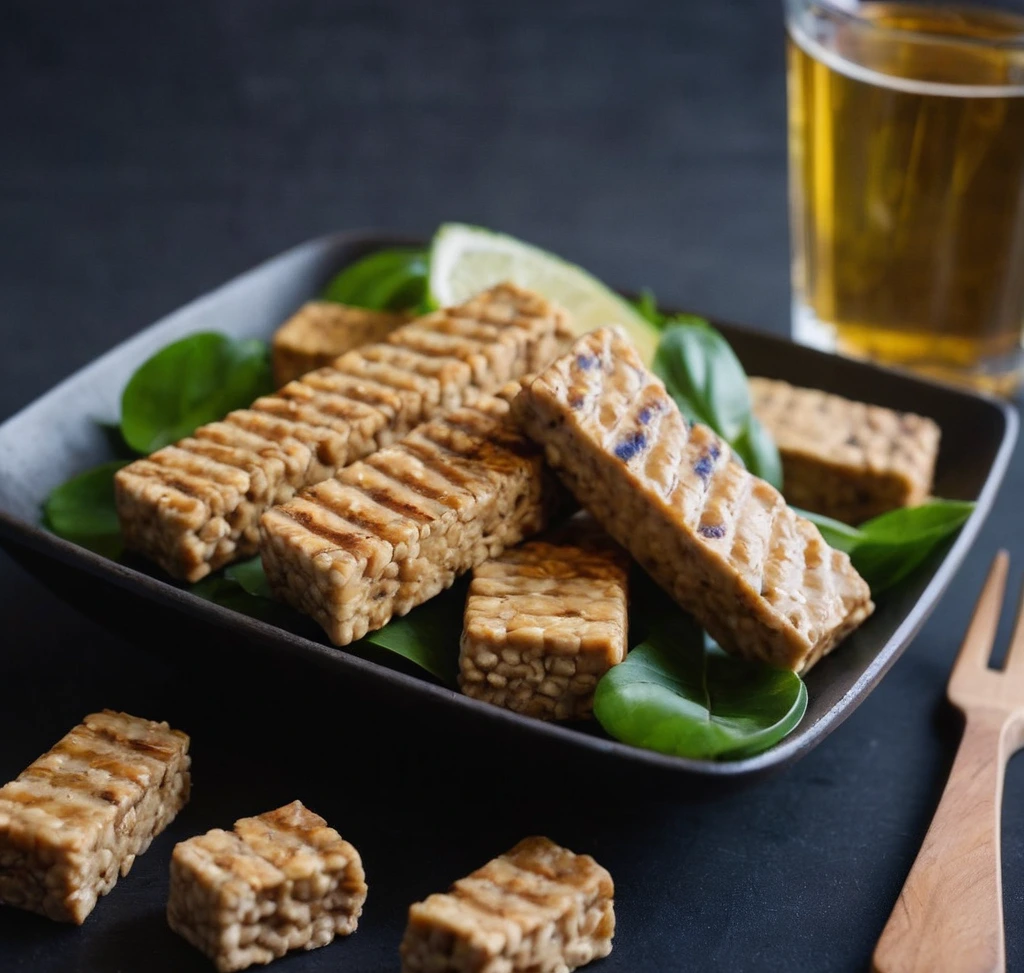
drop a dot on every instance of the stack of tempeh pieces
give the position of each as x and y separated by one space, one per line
371 484
195 506
391 531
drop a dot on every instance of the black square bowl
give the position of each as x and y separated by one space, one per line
58 436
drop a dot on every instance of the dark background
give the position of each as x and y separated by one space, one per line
150 151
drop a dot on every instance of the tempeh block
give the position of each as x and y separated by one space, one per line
543 623
321 331
195 506
722 542
277 882
845 459
78 816
391 531
538 908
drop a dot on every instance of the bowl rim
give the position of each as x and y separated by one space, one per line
36 538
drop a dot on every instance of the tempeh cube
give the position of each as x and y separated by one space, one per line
321 331
80 814
277 882
723 543
543 623
391 531
195 506
845 459
538 908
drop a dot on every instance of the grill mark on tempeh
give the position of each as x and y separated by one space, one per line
66 806
275 430
192 487
544 621
233 456
374 395
383 498
110 760
442 460
453 514
439 490
80 814
316 411
389 375
367 519
65 778
353 540
278 882
537 907
617 457
364 401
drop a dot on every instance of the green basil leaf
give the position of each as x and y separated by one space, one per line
83 510
681 362
115 440
687 319
229 593
647 305
196 380
895 543
250 577
429 635
678 696
757 449
388 280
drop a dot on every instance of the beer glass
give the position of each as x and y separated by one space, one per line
906 142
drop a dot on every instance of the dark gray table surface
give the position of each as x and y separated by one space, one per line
148 152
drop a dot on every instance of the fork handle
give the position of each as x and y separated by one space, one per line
949 916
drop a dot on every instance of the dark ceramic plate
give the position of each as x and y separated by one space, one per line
58 436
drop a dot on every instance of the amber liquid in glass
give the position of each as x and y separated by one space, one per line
907 188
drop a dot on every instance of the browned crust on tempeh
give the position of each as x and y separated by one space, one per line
389 532
845 459
544 621
722 542
281 881
195 506
538 907
78 816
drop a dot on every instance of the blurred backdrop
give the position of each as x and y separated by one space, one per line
149 151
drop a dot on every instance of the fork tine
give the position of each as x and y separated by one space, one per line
981 633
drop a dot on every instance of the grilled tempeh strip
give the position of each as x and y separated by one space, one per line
321 331
544 621
391 531
722 542
538 908
195 506
846 459
80 814
283 880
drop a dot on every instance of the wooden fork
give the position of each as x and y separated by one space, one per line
949 917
